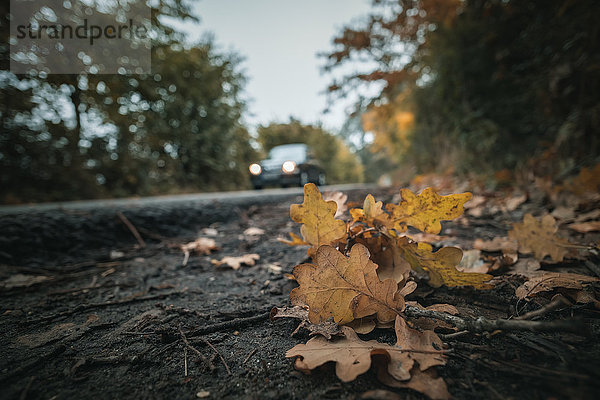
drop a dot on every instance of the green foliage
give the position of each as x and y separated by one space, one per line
339 162
176 129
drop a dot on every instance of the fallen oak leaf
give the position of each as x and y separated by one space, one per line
345 288
472 262
539 238
295 240
498 243
428 382
371 213
236 262
585 227
550 281
317 216
254 231
388 257
352 355
201 246
340 199
441 265
326 329
427 210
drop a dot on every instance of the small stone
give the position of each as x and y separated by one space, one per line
202 394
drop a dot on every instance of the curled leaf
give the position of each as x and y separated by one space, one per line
371 213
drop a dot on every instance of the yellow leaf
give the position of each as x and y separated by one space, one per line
317 216
427 210
441 265
371 213
295 240
345 288
539 238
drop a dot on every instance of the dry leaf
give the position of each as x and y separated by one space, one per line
585 227
587 181
549 281
526 267
353 356
340 199
237 262
371 213
594 214
388 257
200 246
345 288
295 240
21 281
563 213
317 216
426 382
472 262
496 244
427 210
514 202
539 238
326 329
253 231
441 265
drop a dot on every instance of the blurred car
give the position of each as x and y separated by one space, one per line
287 165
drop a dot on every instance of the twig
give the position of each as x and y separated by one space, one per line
232 324
555 304
482 324
189 346
131 228
219 354
185 371
249 356
453 335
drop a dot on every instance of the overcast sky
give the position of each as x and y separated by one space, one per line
280 40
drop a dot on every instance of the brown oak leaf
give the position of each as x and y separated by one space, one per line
539 238
326 329
413 353
345 288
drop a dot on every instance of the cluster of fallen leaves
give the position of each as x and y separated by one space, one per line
364 265
360 275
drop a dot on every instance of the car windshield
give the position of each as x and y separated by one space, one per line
292 152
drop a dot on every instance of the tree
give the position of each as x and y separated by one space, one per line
177 128
490 82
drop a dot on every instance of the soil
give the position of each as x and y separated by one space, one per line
104 317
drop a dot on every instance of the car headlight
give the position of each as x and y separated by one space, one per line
255 169
288 167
